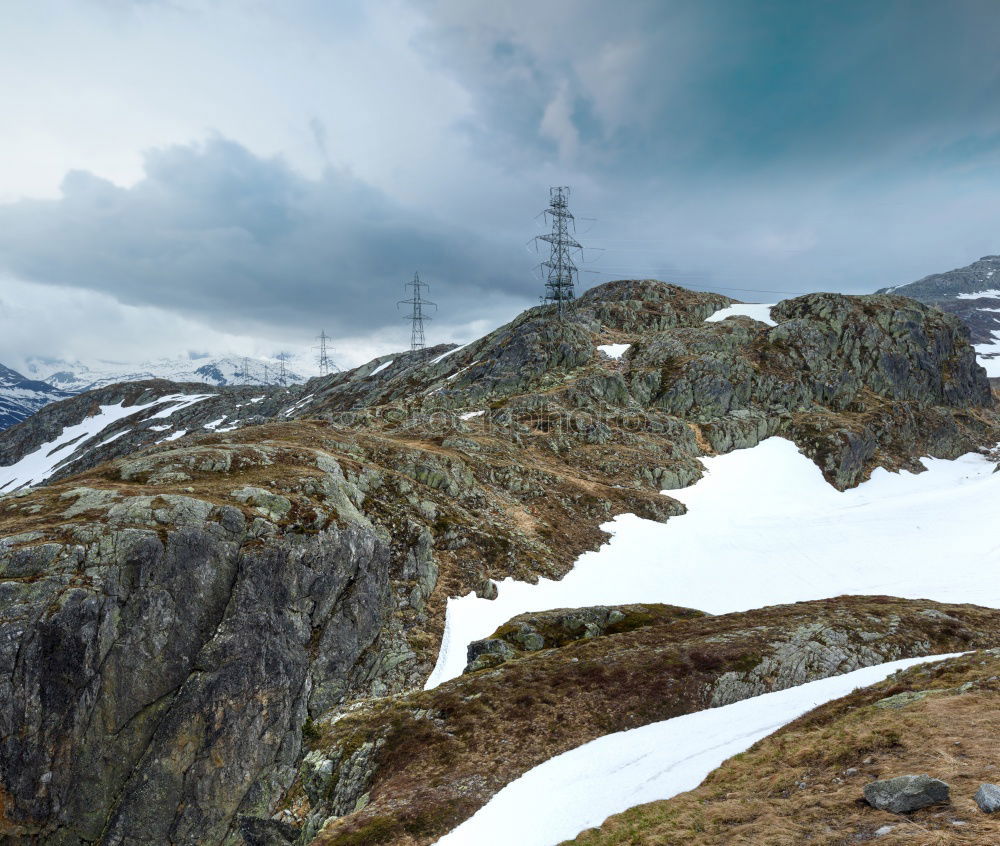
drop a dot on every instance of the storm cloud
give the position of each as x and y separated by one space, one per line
216 232
263 167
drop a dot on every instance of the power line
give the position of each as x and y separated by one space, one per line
417 316
560 269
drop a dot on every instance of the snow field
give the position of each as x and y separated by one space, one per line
584 786
765 528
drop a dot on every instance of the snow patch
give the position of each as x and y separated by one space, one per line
758 311
177 402
173 436
445 355
468 415
581 788
992 292
613 350
764 527
382 367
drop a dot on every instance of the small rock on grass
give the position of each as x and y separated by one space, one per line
988 798
906 793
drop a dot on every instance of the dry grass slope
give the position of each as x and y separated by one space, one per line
803 784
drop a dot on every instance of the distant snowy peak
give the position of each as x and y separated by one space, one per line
78 376
21 397
972 294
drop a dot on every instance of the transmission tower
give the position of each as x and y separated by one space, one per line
267 375
282 375
246 371
560 269
417 316
324 359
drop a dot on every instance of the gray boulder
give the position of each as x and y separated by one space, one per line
988 798
906 793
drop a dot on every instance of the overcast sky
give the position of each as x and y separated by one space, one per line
186 176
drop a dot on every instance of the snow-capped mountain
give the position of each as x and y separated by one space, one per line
972 294
77 376
54 379
21 397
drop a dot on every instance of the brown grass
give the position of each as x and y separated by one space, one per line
448 750
794 787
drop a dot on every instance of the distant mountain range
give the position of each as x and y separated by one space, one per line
971 293
21 397
51 379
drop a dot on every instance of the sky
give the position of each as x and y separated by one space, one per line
183 177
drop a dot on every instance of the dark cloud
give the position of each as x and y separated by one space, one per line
654 89
215 232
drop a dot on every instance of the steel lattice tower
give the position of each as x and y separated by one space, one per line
324 360
417 316
560 269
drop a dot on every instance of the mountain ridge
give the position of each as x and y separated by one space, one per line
215 596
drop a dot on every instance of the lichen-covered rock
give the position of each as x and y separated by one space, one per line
905 793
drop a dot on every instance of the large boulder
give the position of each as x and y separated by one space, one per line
905 793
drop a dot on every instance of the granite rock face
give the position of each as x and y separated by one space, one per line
156 682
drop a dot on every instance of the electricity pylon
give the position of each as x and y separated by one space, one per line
417 316
560 269
326 363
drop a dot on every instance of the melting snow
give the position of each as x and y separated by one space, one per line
445 355
177 402
382 367
764 528
758 311
613 350
297 405
468 415
579 789
458 373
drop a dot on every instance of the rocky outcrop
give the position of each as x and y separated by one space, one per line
156 680
552 629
